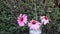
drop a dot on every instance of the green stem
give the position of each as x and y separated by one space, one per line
36 12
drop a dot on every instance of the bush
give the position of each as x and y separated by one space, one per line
10 10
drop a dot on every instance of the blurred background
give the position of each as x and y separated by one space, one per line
10 10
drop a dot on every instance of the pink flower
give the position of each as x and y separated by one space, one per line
22 19
34 24
44 19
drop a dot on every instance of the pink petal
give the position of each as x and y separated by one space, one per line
42 17
21 24
25 19
20 15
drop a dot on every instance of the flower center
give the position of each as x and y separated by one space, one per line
21 18
46 17
33 22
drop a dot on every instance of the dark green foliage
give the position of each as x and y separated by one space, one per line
10 10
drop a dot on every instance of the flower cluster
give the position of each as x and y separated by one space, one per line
22 20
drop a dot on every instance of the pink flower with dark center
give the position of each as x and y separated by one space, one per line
34 24
22 19
44 19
